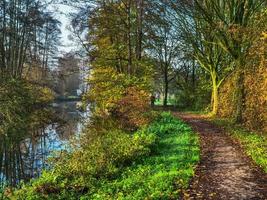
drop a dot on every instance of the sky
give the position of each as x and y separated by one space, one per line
61 12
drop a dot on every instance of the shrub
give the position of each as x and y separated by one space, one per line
162 174
255 75
155 163
133 108
18 101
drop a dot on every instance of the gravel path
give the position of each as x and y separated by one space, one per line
224 171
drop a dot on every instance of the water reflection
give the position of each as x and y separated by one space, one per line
23 156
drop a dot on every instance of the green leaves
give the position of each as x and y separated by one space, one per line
173 155
18 102
116 165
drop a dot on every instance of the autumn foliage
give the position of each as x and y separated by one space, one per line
106 88
117 95
255 84
132 109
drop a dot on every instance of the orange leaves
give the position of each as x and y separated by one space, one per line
132 108
124 97
254 112
255 102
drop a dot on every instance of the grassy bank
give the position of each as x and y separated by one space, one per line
164 172
155 162
254 144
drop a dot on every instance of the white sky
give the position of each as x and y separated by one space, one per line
61 14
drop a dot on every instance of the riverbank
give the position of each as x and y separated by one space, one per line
155 162
31 129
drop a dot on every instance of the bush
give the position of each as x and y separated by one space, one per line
18 101
254 113
155 162
164 173
133 108
102 158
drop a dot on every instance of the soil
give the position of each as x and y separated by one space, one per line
224 171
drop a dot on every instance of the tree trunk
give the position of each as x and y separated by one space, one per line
129 39
193 76
166 87
215 96
240 97
140 5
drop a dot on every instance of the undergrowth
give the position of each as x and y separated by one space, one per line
156 162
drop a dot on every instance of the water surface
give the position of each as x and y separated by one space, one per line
24 156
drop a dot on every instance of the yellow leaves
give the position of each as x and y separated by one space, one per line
186 195
104 41
212 194
264 36
255 101
106 87
110 89
45 95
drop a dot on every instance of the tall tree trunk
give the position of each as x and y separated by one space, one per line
140 8
129 39
215 95
240 96
166 87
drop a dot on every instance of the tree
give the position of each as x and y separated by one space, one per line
208 54
229 19
163 46
117 58
28 35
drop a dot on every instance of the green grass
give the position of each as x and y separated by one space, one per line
156 162
254 144
169 102
163 174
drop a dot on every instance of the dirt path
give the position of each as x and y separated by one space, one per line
224 172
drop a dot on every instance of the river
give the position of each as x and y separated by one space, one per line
23 158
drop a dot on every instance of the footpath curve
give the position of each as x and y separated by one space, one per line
224 171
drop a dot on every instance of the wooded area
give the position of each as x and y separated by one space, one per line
193 50
142 56
29 36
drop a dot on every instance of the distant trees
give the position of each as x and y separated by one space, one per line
163 45
68 75
29 36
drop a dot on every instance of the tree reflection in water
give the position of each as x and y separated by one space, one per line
23 156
